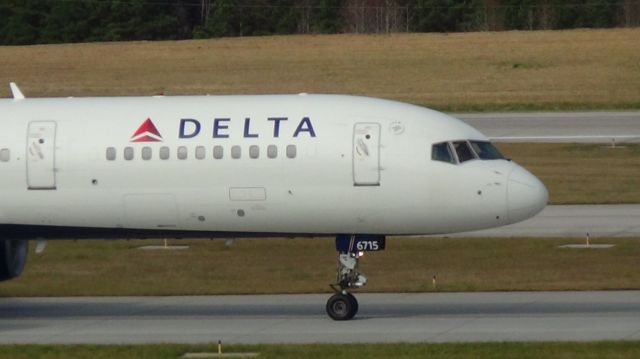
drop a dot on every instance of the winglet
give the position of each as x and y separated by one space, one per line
17 94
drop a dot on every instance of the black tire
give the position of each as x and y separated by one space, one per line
354 301
340 307
13 256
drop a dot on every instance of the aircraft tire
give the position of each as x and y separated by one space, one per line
354 301
341 307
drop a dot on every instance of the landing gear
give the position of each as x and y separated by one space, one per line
343 305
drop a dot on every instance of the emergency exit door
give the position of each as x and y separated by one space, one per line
41 144
366 154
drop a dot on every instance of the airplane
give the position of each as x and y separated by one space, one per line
356 168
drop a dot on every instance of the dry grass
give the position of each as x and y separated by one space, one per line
308 265
507 70
582 173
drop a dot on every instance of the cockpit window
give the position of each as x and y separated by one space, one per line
442 152
463 151
486 150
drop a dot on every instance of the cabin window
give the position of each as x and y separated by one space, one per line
111 154
291 151
128 153
442 152
236 152
182 153
463 151
272 151
486 150
146 153
218 152
164 153
200 150
254 151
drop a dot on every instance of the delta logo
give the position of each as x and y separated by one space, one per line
224 128
147 132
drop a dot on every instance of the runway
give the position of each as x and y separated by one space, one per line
603 127
615 220
436 317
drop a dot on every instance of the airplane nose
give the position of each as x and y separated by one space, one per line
526 195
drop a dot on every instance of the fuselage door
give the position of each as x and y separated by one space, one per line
366 154
41 144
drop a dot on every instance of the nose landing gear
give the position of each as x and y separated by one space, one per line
343 305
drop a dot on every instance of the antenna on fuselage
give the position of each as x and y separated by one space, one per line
15 91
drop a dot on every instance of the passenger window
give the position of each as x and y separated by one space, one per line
217 152
182 153
442 152
254 151
463 151
486 150
291 151
111 154
164 153
236 152
272 151
128 153
146 153
200 152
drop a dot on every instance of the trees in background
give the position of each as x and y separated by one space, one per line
447 15
557 14
57 21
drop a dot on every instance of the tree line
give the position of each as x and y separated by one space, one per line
62 21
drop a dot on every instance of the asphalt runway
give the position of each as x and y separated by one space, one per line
615 220
436 317
602 127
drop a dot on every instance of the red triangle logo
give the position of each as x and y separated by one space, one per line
147 132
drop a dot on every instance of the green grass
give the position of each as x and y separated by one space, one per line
582 173
252 266
481 71
520 350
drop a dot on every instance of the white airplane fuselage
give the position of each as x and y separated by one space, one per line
270 164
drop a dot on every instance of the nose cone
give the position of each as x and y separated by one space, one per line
526 195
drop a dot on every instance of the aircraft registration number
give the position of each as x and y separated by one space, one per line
360 243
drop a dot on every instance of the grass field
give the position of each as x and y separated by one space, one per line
577 69
69 268
566 350
582 173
